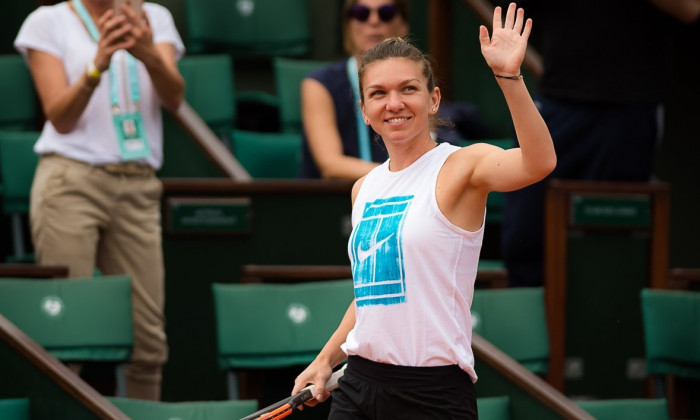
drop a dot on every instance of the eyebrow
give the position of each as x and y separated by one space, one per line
403 83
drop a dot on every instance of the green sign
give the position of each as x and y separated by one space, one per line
209 215
612 210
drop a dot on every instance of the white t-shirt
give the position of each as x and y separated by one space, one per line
58 30
413 270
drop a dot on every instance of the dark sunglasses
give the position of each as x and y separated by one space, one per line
361 13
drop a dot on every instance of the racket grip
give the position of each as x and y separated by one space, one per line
331 383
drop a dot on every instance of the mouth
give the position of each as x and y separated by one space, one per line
397 120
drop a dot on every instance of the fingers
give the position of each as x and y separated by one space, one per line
484 36
519 19
497 22
510 16
528 29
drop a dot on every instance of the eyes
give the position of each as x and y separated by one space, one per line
378 92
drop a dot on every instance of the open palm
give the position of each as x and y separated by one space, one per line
505 50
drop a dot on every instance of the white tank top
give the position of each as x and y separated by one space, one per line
413 270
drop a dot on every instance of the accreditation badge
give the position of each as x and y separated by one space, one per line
131 136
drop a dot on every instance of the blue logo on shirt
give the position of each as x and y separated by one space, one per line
377 254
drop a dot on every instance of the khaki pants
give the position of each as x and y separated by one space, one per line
84 217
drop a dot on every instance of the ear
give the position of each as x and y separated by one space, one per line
364 116
435 97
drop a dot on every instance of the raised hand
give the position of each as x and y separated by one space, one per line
505 50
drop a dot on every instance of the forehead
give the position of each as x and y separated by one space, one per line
392 70
374 4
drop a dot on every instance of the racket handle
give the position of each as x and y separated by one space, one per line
331 383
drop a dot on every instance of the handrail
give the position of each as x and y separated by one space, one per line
526 380
37 271
58 372
200 132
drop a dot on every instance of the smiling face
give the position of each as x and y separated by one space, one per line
397 100
363 35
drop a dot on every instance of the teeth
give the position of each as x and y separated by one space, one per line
397 120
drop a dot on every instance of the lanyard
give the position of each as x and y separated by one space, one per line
362 131
131 73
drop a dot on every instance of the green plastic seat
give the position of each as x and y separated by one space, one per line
493 408
265 326
17 165
209 92
248 28
513 319
671 325
188 410
289 72
671 322
627 409
209 89
75 319
268 155
14 409
18 108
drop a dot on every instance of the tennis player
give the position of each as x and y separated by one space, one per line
418 224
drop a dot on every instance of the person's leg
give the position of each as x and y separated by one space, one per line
64 217
132 245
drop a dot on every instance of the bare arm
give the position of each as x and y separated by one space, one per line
686 11
329 357
63 104
505 170
321 128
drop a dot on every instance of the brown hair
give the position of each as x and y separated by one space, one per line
402 7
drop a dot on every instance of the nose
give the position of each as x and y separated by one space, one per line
394 101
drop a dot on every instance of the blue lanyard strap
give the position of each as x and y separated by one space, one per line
362 131
131 73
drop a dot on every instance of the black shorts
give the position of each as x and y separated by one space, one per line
371 390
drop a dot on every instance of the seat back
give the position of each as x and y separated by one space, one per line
493 408
289 72
75 319
17 165
627 409
209 89
194 410
274 325
14 409
671 323
268 155
514 320
248 28
18 107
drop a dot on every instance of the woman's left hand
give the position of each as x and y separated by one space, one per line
141 34
505 50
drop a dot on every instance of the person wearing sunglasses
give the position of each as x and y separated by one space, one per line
337 143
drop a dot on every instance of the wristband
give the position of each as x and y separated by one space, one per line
519 76
92 72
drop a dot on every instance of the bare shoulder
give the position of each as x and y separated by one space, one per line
356 188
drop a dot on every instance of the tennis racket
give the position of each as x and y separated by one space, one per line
285 407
